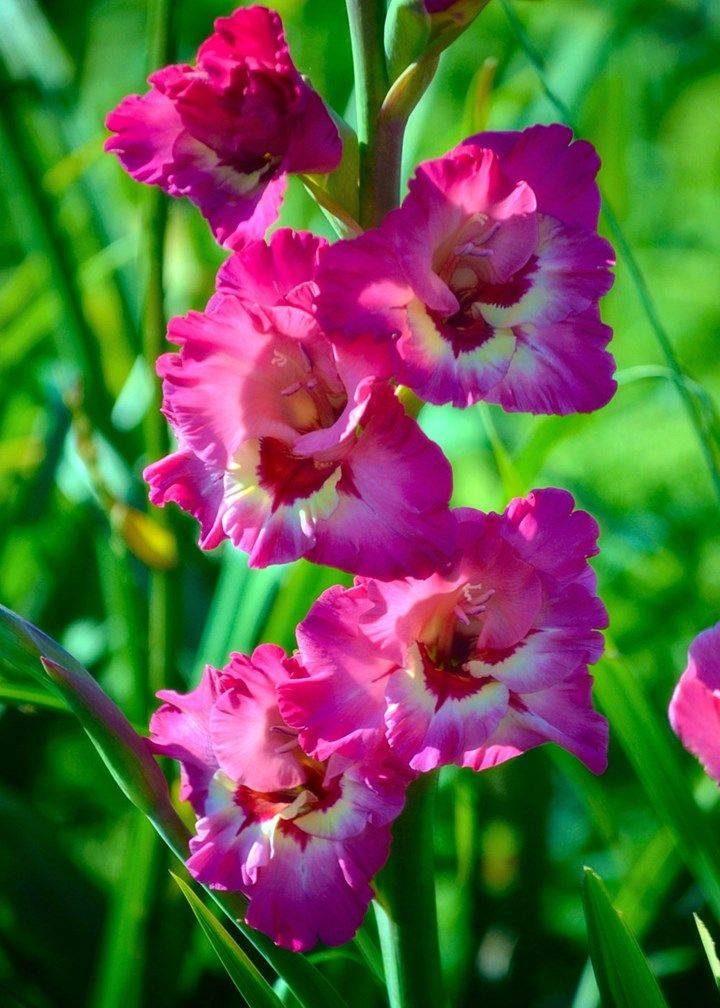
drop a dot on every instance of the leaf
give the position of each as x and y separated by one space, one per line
125 753
653 752
710 952
640 898
622 972
20 696
128 758
247 978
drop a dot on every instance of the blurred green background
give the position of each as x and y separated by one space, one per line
88 914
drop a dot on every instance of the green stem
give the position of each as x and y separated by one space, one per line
366 19
163 606
405 909
637 276
406 912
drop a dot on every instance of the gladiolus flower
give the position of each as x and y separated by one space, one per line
695 705
485 283
299 837
226 132
287 448
473 667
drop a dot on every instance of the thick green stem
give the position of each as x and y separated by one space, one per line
366 19
406 912
163 609
405 909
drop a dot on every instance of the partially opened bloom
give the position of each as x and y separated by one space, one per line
695 705
287 448
226 131
472 667
485 283
299 837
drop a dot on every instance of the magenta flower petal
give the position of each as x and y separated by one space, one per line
470 666
485 283
316 890
695 705
561 714
226 132
183 479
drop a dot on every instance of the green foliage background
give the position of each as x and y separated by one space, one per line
88 913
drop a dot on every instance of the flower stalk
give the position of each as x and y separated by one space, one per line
405 908
378 166
406 911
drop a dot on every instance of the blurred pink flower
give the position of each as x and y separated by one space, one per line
485 283
227 131
472 667
695 705
286 447
300 838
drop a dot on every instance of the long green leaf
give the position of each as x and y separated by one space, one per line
23 697
710 950
244 974
128 758
639 900
623 975
39 229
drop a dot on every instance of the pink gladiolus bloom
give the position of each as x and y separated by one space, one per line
472 667
286 447
300 838
227 131
485 283
695 705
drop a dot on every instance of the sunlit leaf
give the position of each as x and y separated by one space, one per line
249 981
710 950
622 972
654 754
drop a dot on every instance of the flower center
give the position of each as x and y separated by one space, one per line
290 803
452 661
313 397
289 477
470 265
